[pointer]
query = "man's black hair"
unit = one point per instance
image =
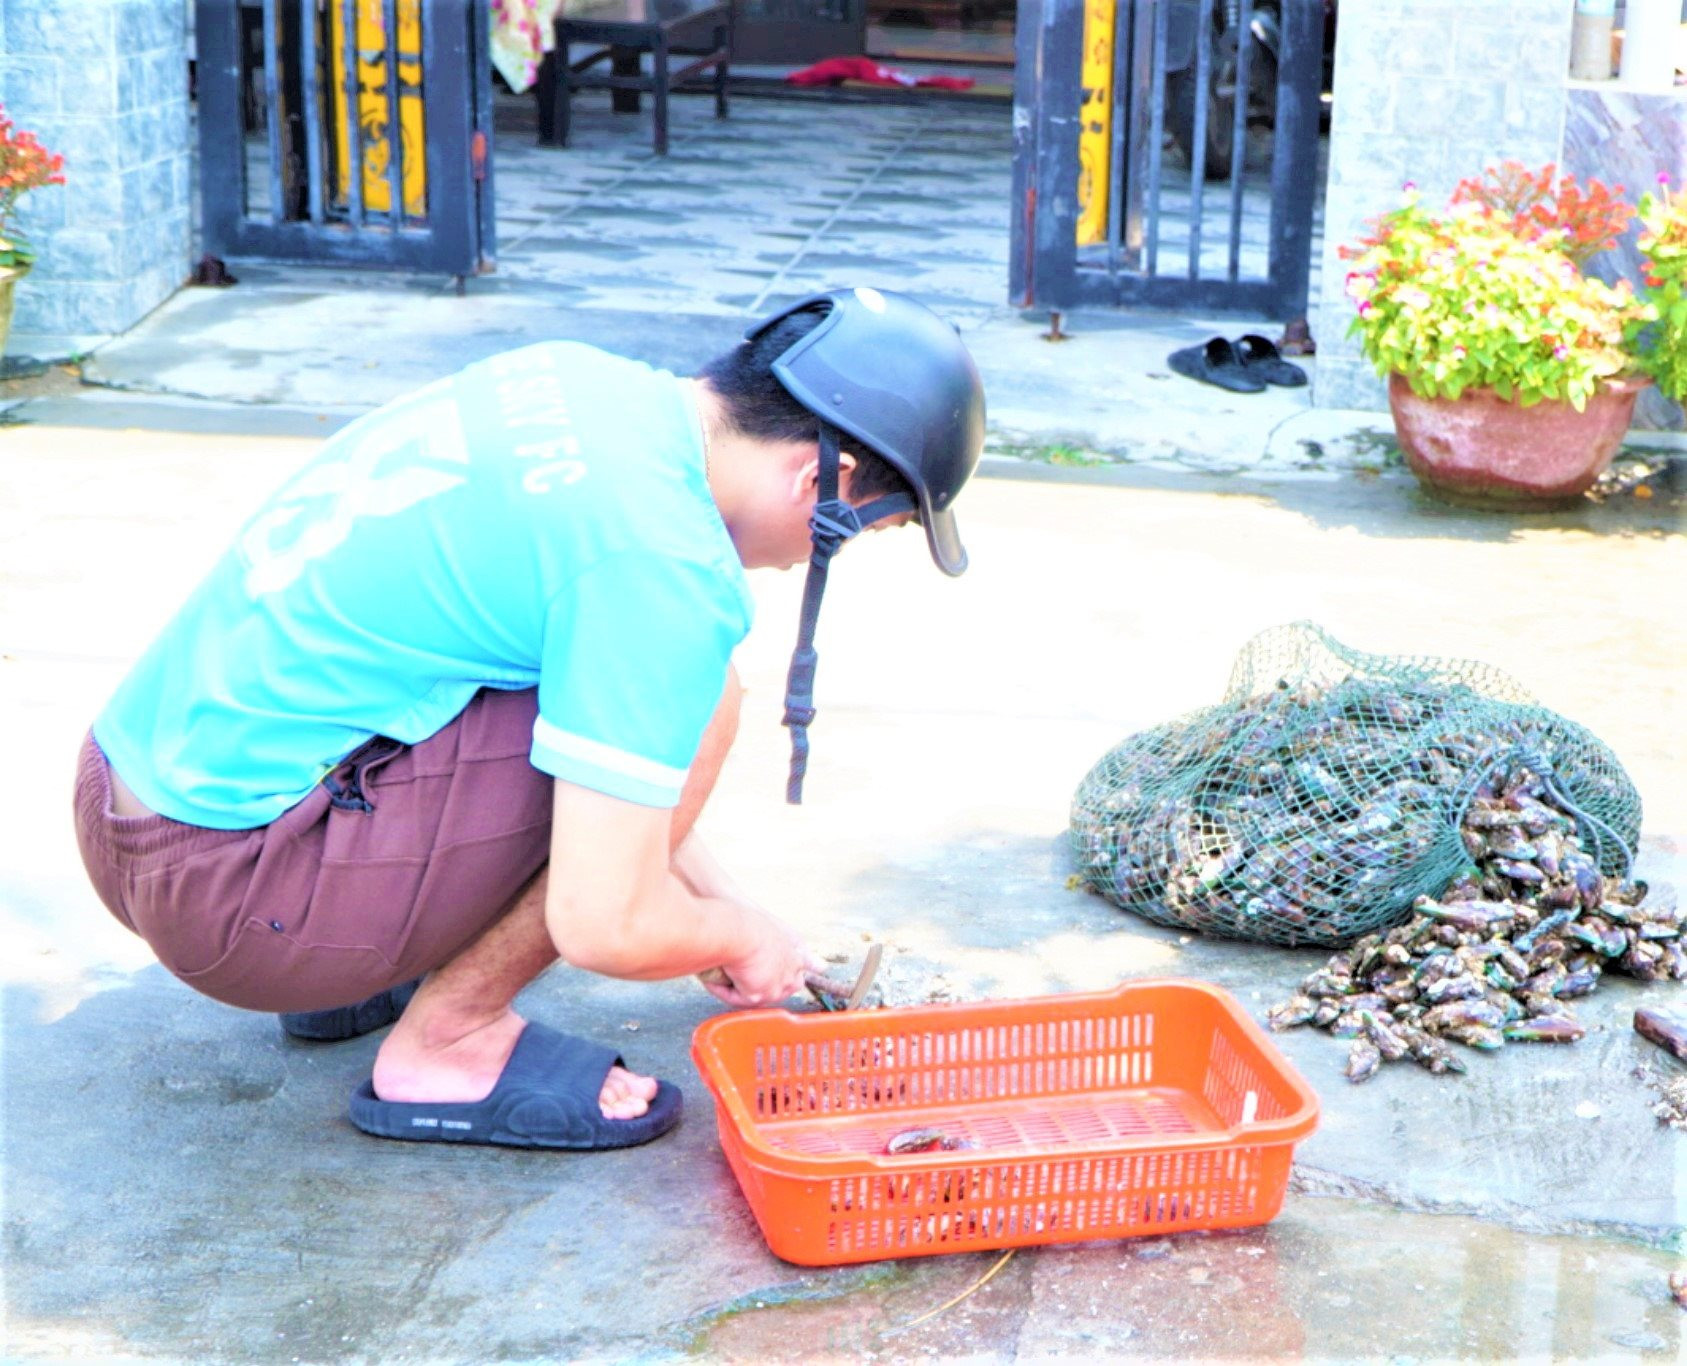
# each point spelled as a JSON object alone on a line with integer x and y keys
{"x": 758, "y": 406}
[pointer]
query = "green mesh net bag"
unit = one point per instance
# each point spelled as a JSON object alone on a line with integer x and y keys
{"x": 1326, "y": 792}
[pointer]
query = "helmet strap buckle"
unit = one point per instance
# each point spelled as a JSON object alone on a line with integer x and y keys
{"x": 833, "y": 522}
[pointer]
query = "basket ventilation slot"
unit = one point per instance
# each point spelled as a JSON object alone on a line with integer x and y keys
{"x": 901, "y": 1070}
{"x": 1108, "y": 1197}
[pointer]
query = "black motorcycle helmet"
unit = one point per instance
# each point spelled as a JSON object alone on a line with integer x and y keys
{"x": 891, "y": 374}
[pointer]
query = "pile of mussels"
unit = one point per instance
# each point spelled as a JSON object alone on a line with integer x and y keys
{"x": 1496, "y": 959}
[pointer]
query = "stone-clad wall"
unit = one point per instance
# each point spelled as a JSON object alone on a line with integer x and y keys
{"x": 1428, "y": 91}
{"x": 1628, "y": 138}
{"x": 105, "y": 82}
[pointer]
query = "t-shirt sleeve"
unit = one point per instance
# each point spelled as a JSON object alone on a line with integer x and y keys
{"x": 635, "y": 656}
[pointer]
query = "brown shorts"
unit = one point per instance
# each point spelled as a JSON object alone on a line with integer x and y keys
{"x": 393, "y": 863}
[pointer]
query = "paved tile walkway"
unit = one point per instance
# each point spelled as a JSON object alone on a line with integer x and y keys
{"x": 781, "y": 199}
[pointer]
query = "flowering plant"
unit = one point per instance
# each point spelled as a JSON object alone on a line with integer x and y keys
{"x": 1491, "y": 293}
{"x": 24, "y": 165}
{"x": 1583, "y": 222}
{"x": 1663, "y": 246}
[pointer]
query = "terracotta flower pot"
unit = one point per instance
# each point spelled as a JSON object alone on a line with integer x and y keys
{"x": 1486, "y": 451}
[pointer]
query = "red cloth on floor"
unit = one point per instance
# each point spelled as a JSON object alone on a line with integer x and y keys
{"x": 837, "y": 70}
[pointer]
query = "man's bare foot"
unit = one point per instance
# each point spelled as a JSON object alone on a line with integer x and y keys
{"x": 426, "y": 1059}
{"x": 625, "y": 1095}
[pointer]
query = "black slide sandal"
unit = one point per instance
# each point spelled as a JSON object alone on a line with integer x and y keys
{"x": 1215, "y": 361}
{"x": 1261, "y": 357}
{"x": 547, "y": 1097}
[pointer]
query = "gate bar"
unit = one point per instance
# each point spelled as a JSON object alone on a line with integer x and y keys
{"x": 1294, "y": 170}
{"x": 1124, "y": 19}
{"x": 1135, "y": 158}
{"x": 1156, "y": 132}
{"x": 446, "y": 46}
{"x": 311, "y": 59}
{"x": 1239, "y": 134}
{"x": 272, "y": 110}
{"x": 354, "y": 115}
{"x": 1198, "y": 153}
{"x": 395, "y": 140}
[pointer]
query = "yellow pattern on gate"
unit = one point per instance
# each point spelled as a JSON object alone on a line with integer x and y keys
{"x": 1095, "y": 120}
{"x": 373, "y": 108}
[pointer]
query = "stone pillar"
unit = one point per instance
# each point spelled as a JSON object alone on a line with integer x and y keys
{"x": 1428, "y": 91}
{"x": 105, "y": 82}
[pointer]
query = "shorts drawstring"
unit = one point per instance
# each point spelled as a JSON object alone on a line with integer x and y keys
{"x": 349, "y": 795}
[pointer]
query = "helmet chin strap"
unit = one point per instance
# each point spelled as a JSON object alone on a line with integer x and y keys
{"x": 831, "y": 524}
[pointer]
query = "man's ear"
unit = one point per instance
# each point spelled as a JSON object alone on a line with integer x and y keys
{"x": 805, "y": 486}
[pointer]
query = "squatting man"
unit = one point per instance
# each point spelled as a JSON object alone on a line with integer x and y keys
{"x": 450, "y": 705}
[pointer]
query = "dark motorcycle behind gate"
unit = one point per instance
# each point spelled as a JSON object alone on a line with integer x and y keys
{"x": 1183, "y": 84}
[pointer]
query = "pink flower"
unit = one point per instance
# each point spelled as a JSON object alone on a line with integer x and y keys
{"x": 1560, "y": 351}
{"x": 1409, "y": 186}
{"x": 1663, "y": 177}
{"x": 1366, "y": 308}
{"x": 1459, "y": 353}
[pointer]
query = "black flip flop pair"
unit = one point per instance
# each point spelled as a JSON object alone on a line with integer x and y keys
{"x": 1244, "y": 366}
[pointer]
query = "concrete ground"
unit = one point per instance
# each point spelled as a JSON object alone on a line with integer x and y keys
{"x": 179, "y": 1180}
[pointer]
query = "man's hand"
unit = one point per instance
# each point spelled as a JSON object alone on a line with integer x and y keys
{"x": 770, "y": 972}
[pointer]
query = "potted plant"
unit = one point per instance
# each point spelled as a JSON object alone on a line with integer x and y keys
{"x": 24, "y": 165}
{"x": 1512, "y": 374}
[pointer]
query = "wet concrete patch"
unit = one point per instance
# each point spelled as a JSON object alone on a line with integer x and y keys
{"x": 1328, "y": 1281}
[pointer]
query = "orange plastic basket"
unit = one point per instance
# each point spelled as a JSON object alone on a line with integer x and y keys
{"x": 1153, "y": 1108}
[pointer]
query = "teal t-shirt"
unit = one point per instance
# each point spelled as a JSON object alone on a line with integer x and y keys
{"x": 542, "y": 518}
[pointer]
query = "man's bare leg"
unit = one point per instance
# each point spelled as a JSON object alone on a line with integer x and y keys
{"x": 454, "y": 1038}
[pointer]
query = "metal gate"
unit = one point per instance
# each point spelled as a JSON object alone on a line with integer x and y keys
{"x": 1107, "y": 213}
{"x": 346, "y": 132}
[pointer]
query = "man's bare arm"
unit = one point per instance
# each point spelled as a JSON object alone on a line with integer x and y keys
{"x": 700, "y": 871}
{"x": 616, "y": 905}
